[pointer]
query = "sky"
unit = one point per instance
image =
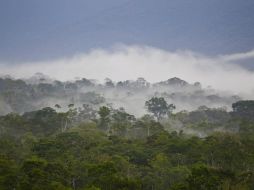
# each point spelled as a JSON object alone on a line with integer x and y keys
{"x": 36, "y": 36}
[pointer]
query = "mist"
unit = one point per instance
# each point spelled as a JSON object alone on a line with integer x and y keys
{"x": 123, "y": 62}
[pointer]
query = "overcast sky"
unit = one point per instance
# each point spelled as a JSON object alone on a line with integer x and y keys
{"x": 35, "y": 30}
{"x": 211, "y": 41}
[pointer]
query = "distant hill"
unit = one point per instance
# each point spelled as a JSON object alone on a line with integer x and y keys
{"x": 40, "y": 91}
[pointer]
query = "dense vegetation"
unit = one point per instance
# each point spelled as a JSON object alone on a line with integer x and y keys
{"x": 26, "y": 95}
{"x": 109, "y": 149}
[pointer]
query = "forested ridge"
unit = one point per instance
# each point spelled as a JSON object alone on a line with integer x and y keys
{"x": 90, "y": 144}
{"x": 24, "y": 95}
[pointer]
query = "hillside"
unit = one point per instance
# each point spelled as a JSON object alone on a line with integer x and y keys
{"x": 84, "y": 141}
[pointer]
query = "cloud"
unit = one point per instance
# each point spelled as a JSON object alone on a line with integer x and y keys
{"x": 238, "y": 56}
{"x": 131, "y": 62}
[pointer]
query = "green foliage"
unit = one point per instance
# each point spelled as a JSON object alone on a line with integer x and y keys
{"x": 104, "y": 113}
{"x": 244, "y": 109}
{"x": 8, "y": 171}
{"x": 137, "y": 154}
{"x": 159, "y": 107}
{"x": 39, "y": 174}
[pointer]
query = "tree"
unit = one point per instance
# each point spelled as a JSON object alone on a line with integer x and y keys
{"x": 68, "y": 118}
{"x": 109, "y": 83}
{"x": 104, "y": 113}
{"x": 86, "y": 113}
{"x": 244, "y": 109}
{"x": 121, "y": 122}
{"x": 203, "y": 177}
{"x": 8, "y": 174}
{"x": 159, "y": 107}
{"x": 43, "y": 122}
{"x": 57, "y": 106}
{"x": 37, "y": 173}
{"x": 161, "y": 168}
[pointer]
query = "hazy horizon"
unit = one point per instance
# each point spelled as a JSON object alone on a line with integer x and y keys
{"x": 123, "y": 62}
{"x": 204, "y": 41}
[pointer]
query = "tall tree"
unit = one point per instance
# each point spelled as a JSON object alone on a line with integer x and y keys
{"x": 104, "y": 113}
{"x": 159, "y": 107}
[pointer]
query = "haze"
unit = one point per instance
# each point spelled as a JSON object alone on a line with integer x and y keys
{"x": 130, "y": 62}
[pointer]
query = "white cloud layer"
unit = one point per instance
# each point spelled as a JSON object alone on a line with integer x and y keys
{"x": 131, "y": 62}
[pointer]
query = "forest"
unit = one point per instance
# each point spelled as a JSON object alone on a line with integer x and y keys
{"x": 126, "y": 135}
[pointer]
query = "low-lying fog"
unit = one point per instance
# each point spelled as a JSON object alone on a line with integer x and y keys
{"x": 40, "y": 91}
{"x": 194, "y": 79}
